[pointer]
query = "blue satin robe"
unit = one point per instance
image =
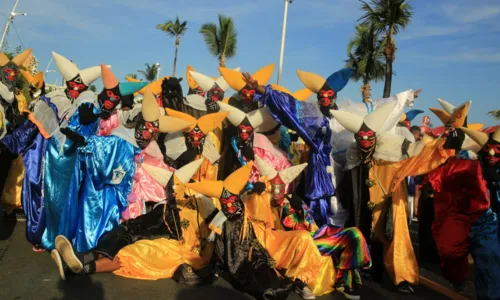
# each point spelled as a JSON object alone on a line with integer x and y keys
{"x": 62, "y": 184}
{"x": 27, "y": 141}
{"x": 297, "y": 116}
{"x": 106, "y": 168}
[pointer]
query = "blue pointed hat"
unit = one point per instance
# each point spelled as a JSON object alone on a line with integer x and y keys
{"x": 411, "y": 114}
{"x": 338, "y": 80}
{"x": 128, "y": 88}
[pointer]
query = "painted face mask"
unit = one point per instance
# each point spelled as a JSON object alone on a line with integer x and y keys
{"x": 277, "y": 191}
{"x": 196, "y": 91}
{"x": 326, "y": 99}
{"x": 231, "y": 205}
{"x": 75, "y": 87}
{"x": 109, "y": 98}
{"x": 196, "y": 139}
{"x": 8, "y": 75}
{"x": 245, "y": 132}
{"x": 215, "y": 93}
{"x": 366, "y": 140}
{"x": 490, "y": 153}
{"x": 145, "y": 132}
{"x": 247, "y": 95}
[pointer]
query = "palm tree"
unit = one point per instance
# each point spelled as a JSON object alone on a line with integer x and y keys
{"x": 174, "y": 29}
{"x": 131, "y": 75}
{"x": 366, "y": 52}
{"x": 150, "y": 73}
{"x": 221, "y": 41}
{"x": 495, "y": 114}
{"x": 387, "y": 17}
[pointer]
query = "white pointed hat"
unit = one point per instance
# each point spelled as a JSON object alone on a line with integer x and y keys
{"x": 185, "y": 173}
{"x": 69, "y": 70}
{"x": 287, "y": 175}
{"x": 375, "y": 120}
{"x": 206, "y": 83}
{"x": 447, "y": 106}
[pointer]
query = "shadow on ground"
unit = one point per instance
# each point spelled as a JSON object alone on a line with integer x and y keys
{"x": 81, "y": 287}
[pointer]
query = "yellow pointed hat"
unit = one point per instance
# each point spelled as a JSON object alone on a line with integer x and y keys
{"x": 3, "y": 59}
{"x": 36, "y": 81}
{"x": 191, "y": 82}
{"x": 235, "y": 78}
{"x": 21, "y": 58}
{"x": 234, "y": 183}
{"x": 301, "y": 95}
{"x": 457, "y": 118}
{"x": 155, "y": 86}
{"x": 207, "y": 123}
{"x": 312, "y": 81}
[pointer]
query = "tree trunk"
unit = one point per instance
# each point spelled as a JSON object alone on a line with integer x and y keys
{"x": 222, "y": 61}
{"x": 365, "y": 91}
{"x": 177, "y": 42}
{"x": 389, "y": 59}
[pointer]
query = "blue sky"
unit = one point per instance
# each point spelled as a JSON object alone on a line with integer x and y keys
{"x": 451, "y": 50}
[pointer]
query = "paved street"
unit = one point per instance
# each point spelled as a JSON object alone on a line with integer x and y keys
{"x": 25, "y": 274}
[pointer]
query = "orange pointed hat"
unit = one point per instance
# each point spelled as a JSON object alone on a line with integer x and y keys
{"x": 234, "y": 183}
{"x": 207, "y": 123}
{"x": 34, "y": 81}
{"x": 235, "y": 78}
{"x": 455, "y": 119}
{"x": 301, "y": 95}
{"x": 18, "y": 60}
{"x": 110, "y": 81}
{"x": 191, "y": 82}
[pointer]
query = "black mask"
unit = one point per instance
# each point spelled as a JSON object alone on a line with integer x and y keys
{"x": 366, "y": 140}
{"x": 75, "y": 87}
{"x": 231, "y": 205}
{"x": 8, "y": 75}
{"x": 195, "y": 139}
{"x": 245, "y": 138}
{"x": 487, "y": 159}
{"x": 109, "y": 98}
{"x": 196, "y": 91}
{"x": 145, "y": 132}
{"x": 327, "y": 99}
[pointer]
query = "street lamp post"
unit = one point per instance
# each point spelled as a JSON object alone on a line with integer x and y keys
{"x": 12, "y": 15}
{"x": 157, "y": 71}
{"x": 283, "y": 34}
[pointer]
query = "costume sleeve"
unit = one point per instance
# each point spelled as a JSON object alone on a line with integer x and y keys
{"x": 432, "y": 156}
{"x": 20, "y": 138}
{"x": 110, "y": 161}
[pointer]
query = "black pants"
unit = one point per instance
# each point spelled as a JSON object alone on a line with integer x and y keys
{"x": 146, "y": 227}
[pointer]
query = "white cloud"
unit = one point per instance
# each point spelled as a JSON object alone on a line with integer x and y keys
{"x": 479, "y": 55}
{"x": 466, "y": 13}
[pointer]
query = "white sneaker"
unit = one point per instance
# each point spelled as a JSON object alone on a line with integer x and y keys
{"x": 305, "y": 293}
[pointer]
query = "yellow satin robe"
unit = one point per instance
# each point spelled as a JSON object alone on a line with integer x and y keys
{"x": 160, "y": 258}
{"x": 399, "y": 257}
{"x": 11, "y": 195}
{"x": 294, "y": 251}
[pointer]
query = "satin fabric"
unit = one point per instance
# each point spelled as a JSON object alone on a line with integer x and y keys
{"x": 460, "y": 198}
{"x": 399, "y": 257}
{"x": 29, "y": 142}
{"x": 11, "y": 195}
{"x": 145, "y": 188}
{"x": 318, "y": 182}
{"x": 107, "y": 126}
{"x": 160, "y": 258}
{"x": 106, "y": 169}
{"x": 62, "y": 183}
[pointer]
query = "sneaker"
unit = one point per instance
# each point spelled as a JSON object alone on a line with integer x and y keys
{"x": 405, "y": 288}
{"x": 65, "y": 250}
{"x": 305, "y": 293}
{"x": 64, "y": 271}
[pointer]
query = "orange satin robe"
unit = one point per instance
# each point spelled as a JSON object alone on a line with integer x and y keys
{"x": 11, "y": 195}
{"x": 399, "y": 257}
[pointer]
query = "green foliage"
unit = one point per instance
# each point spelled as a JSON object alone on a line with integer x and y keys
{"x": 384, "y": 14}
{"x": 365, "y": 53}
{"x": 131, "y": 75}
{"x": 173, "y": 28}
{"x": 495, "y": 114}
{"x": 220, "y": 39}
{"x": 150, "y": 72}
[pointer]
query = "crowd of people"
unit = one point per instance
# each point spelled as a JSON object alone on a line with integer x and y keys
{"x": 148, "y": 183}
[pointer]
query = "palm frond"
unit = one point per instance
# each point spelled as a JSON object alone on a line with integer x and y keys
{"x": 209, "y": 33}
{"x": 495, "y": 114}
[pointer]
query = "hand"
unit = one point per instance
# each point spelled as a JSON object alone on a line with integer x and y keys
{"x": 415, "y": 94}
{"x": 75, "y": 137}
{"x": 259, "y": 187}
{"x": 86, "y": 112}
{"x": 252, "y": 83}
